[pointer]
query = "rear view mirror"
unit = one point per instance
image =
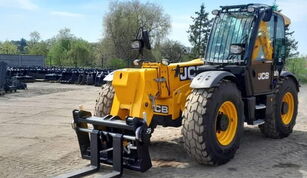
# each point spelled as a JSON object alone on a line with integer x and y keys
{"x": 137, "y": 44}
{"x": 267, "y": 15}
{"x": 142, "y": 40}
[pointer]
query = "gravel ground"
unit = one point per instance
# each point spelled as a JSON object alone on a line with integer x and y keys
{"x": 37, "y": 140}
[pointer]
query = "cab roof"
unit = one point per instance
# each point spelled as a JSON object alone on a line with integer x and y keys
{"x": 287, "y": 20}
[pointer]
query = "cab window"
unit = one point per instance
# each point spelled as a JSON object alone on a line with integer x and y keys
{"x": 279, "y": 45}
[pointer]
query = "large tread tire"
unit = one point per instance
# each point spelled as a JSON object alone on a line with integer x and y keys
{"x": 199, "y": 123}
{"x": 104, "y": 101}
{"x": 273, "y": 126}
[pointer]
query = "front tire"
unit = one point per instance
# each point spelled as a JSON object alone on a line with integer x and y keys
{"x": 104, "y": 101}
{"x": 282, "y": 121}
{"x": 213, "y": 123}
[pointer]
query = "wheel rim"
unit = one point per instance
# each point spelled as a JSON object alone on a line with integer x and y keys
{"x": 287, "y": 117}
{"x": 226, "y": 137}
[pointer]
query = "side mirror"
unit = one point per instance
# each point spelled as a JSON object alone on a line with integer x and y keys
{"x": 142, "y": 40}
{"x": 137, "y": 44}
{"x": 267, "y": 14}
{"x": 237, "y": 49}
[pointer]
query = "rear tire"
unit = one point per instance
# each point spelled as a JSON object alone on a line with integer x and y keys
{"x": 201, "y": 133}
{"x": 280, "y": 124}
{"x": 104, "y": 101}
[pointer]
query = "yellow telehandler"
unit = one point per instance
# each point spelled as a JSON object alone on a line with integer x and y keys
{"x": 241, "y": 79}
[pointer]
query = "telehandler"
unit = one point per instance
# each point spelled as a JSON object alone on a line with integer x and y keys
{"x": 241, "y": 79}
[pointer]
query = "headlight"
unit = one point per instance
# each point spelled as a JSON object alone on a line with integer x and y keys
{"x": 136, "y": 62}
{"x": 165, "y": 62}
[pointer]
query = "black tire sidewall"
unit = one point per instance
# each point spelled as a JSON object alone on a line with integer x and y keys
{"x": 287, "y": 86}
{"x": 226, "y": 92}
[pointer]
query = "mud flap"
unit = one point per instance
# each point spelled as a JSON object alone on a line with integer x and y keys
{"x": 122, "y": 143}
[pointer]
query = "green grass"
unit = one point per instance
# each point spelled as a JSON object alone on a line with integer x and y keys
{"x": 298, "y": 66}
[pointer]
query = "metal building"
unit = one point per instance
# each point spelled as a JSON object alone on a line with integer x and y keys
{"x": 22, "y": 60}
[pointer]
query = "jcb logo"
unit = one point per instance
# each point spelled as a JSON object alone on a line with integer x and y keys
{"x": 188, "y": 73}
{"x": 161, "y": 109}
{"x": 263, "y": 76}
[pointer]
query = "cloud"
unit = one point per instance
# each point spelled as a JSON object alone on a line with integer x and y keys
{"x": 294, "y": 9}
{"x": 27, "y": 4}
{"x": 20, "y": 4}
{"x": 65, "y": 14}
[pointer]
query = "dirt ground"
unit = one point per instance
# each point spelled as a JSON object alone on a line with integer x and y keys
{"x": 36, "y": 140}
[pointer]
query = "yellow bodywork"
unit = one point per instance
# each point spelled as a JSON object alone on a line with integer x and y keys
{"x": 149, "y": 90}
{"x": 287, "y": 20}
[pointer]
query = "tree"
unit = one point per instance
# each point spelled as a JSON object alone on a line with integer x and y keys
{"x": 80, "y": 53}
{"x": 116, "y": 63}
{"x": 291, "y": 44}
{"x": 58, "y": 54}
{"x": 174, "y": 51}
{"x": 34, "y": 37}
{"x": 123, "y": 21}
{"x": 65, "y": 33}
{"x": 21, "y": 45}
{"x": 37, "y": 47}
{"x": 67, "y": 50}
{"x": 8, "y": 48}
{"x": 41, "y": 48}
{"x": 199, "y": 32}
{"x": 99, "y": 53}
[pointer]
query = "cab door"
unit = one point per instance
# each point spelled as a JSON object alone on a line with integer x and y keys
{"x": 261, "y": 72}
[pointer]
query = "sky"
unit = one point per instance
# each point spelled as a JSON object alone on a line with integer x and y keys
{"x": 84, "y": 17}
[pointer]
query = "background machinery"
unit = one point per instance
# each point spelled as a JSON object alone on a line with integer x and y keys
{"x": 240, "y": 80}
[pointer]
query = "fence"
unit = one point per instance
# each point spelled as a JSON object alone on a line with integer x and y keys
{"x": 22, "y": 60}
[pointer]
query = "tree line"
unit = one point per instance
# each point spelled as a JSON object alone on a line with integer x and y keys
{"x": 121, "y": 24}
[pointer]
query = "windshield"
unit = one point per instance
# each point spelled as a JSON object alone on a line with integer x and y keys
{"x": 229, "y": 28}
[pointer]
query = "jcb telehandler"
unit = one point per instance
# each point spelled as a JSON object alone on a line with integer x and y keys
{"x": 241, "y": 79}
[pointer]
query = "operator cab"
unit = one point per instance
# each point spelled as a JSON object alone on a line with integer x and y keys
{"x": 249, "y": 42}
